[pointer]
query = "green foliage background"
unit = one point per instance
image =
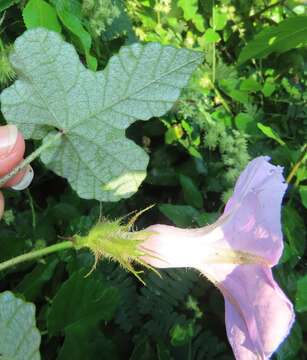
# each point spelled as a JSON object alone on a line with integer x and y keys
{"x": 247, "y": 99}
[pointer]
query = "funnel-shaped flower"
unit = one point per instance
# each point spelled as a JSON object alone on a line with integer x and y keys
{"x": 236, "y": 253}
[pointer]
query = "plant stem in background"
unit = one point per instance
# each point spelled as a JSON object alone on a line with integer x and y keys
{"x": 36, "y": 254}
{"x": 213, "y": 47}
{"x": 32, "y": 209}
{"x": 222, "y": 100}
{"x": 297, "y": 165}
{"x": 269, "y": 7}
{"x": 30, "y": 158}
{"x": 220, "y": 97}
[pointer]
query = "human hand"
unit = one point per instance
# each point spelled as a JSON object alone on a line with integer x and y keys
{"x": 12, "y": 148}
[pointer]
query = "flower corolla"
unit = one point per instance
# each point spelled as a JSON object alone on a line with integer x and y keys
{"x": 236, "y": 254}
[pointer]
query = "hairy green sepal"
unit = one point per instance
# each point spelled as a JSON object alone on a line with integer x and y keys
{"x": 113, "y": 240}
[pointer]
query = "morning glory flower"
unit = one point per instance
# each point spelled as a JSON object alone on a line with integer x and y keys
{"x": 236, "y": 254}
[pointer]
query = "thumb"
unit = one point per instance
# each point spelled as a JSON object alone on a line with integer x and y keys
{"x": 12, "y": 148}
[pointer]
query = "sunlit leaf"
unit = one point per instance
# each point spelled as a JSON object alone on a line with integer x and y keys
{"x": 250, "y": 85}
{"x": 190, "y": 9}
{"x": 270, "y": 133}
{"x": 69, "y": 13}
{"x": 38, "y": 13}
{"x": 268, "y": 88}
{"x": 211, "y": 36}
{"x": 219, "y": 20}
{"x": 287, "y": 35}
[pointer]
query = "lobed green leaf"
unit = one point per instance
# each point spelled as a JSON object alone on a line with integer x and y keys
{"x": 19, "y": 336}
{"x": 55, "y": 92}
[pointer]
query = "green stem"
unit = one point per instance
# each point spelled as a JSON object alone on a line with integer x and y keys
{"x": 213, "y": 63}
{"x": 213, "y": 48}
{"x": 298, "y": 164}
{"x": 158, "y": 14}
{"x": 269, "y": 7}
{"x": 220, "y": 97}
{"x": 32, "y": 209}
{"x": 36, "y": 254}
{"x": 30, "y": 158}
{"x": 222, "y": 100}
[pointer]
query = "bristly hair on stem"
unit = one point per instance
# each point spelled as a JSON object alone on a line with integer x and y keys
{"x": 117, "y": 241}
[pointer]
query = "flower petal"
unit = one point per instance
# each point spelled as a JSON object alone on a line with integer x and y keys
{"x": 173, "y": 247}
{"x": 258, "y": 314}
{"x": 254, "y": 210}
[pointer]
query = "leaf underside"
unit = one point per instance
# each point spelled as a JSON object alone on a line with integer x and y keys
{"x": 19, "y": 337}
{"x": 55, "y": 92}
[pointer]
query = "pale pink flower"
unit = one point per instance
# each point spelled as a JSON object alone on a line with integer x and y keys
{"x": 237, "y": 253}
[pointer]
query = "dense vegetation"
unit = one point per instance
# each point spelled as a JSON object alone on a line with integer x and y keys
{"x": 247, "y": 98}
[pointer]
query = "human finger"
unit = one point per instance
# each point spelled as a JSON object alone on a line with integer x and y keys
{"x": 12, "y": 148}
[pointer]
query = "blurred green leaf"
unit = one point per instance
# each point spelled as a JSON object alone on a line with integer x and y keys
{"x": 268, "y": 88}
{"x": 270, "y": 133}
{"x": 143, "y": 350}
{"x": 287, "y": 35}
{"x": 301, "y": 174}
{"x": 83, "y": 343}
{"x": 19, "y": 336}
{"x": 211, "y": 36}
{"x": 121, "y": 25}
{"x": 181, "y": 334}
{"x": 73, "y": 22}
{"x": 291, "y": 346}
{"x": 190, "y": 8}
{"x": 32, "y": 283}
{"x": 245, "y": 123}
{"x": 303, "y": 194}
{"x": 206, "y": 218}
{"x": 250, "y": 85}
{"x": 294, "y": 228}
{"x": 219, "y": 20}
{"x": 192, "y": 195}
{"x": 5, "y": 4}
{"x": 38, "y": 13}
{"x": 301, "y": 295}
{"x": 230, "y": 87}
{"x": 173, "y": 133}
{"x": 80, "y": 300}
{"x": 180, "y": 215}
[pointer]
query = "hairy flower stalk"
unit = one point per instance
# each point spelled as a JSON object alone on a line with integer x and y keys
{"x": 237, "y": 254}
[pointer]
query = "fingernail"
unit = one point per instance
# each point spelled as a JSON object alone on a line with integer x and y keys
{"x": 8, "y": 138}
{"x": 26, "y": 180}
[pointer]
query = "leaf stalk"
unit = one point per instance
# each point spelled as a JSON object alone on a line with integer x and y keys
{"x": 30, "y": 158}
